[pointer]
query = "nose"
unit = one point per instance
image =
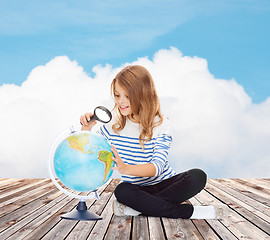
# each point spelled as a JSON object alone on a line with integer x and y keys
{"x": 122, "y": 100}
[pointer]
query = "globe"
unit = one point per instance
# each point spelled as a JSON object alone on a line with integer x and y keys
{"x": 83, "y": 161}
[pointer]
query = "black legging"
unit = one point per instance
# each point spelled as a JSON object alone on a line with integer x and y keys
{"x": 164, "y": 198}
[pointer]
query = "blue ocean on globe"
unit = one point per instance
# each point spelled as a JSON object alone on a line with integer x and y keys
{"x": 83, "y": 161}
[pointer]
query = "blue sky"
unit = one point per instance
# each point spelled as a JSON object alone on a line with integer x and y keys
{"x": 233, "y": 36}
{"x": 74, "y": 48}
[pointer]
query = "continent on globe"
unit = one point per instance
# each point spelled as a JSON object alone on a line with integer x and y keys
{"x": 80, "y": 143}
{"x": 106, "y": 158}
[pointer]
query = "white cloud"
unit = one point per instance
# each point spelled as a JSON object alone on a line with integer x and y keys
{"x": 215, "y": 125}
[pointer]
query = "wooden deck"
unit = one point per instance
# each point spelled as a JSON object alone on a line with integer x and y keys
{"x": 31, "y": 209}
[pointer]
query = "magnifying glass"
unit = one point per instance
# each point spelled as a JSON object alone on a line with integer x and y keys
{"x": 101, "y": 114}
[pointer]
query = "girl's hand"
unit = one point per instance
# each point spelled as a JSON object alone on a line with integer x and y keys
{"x": 143, "y": 170}
{"x": 119, "y": 164}
{"x": 84, "y": 121}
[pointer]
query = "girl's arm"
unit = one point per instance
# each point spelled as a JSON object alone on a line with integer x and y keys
{"x": 143, "y": 170}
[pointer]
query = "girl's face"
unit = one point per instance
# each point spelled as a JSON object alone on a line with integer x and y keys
{"x": 121, "y": 100}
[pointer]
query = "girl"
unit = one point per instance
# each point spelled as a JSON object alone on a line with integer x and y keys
{"x": 141, "y": 138}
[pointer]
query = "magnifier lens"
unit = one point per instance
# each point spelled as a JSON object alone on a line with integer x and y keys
{"x": 102, "y": 115}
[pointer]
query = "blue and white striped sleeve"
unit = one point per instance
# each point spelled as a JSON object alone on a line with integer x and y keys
{"x": 104, "y": 132}
{"x": 161, "y": 150}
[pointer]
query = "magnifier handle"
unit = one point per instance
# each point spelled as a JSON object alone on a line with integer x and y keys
{"x": 92, "y": 118}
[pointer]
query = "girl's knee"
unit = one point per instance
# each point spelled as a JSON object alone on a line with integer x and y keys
{"x": 199, "y": 176}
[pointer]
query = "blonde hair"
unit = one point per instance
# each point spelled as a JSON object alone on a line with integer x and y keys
{"x": 144, "y": 101}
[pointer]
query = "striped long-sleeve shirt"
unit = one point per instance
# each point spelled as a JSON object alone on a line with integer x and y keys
{"x": 131, "y": 152}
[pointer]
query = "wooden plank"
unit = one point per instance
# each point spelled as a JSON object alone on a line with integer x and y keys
{"x": 16, "y": 186}
{"x": 243, "y": 197}
{"x": 83, "y": 228}
{"x": 37, "y": 214}
{"x": 216, "y": 225}
{"x": 22, "y": 212}
{"x": 26, "y": 224}
{"x": 243, "y": 209}
{"x": 100, "y": 229}
{"x": 206, "y": 198}
{"x": 180, "y": 228}
{"x": 245, "y": 206}
{"x": 48, "y": 220}
{"x": 120, "y": 228}
{"x": 45, "y": 222}
{"x": 238, "y": 225}
{"x": 265, "y": 183}
{"x": 255, "y": 193}
{"x": 206, "y": 230}
{"x": 54, "y": 220}
{"x": 63, "y": 228}
{"x": 20, "y": 200}
{"x": 155, "y": 228}
{"x": 244, "y": 229}
{"x": 140, "y": 229}
{"x": 259, "y": 190}
{"x": 2, "y": 179}
{"x": 5, "y": 183}
{"x": 14, "y": 194}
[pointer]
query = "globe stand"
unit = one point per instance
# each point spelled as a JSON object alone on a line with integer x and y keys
{"x": 81, "y": 213}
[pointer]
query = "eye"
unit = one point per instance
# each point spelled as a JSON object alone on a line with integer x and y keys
{"x": 116, "y": 95}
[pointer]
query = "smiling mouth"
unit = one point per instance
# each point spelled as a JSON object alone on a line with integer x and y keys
{"x": 123, "y": 108}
